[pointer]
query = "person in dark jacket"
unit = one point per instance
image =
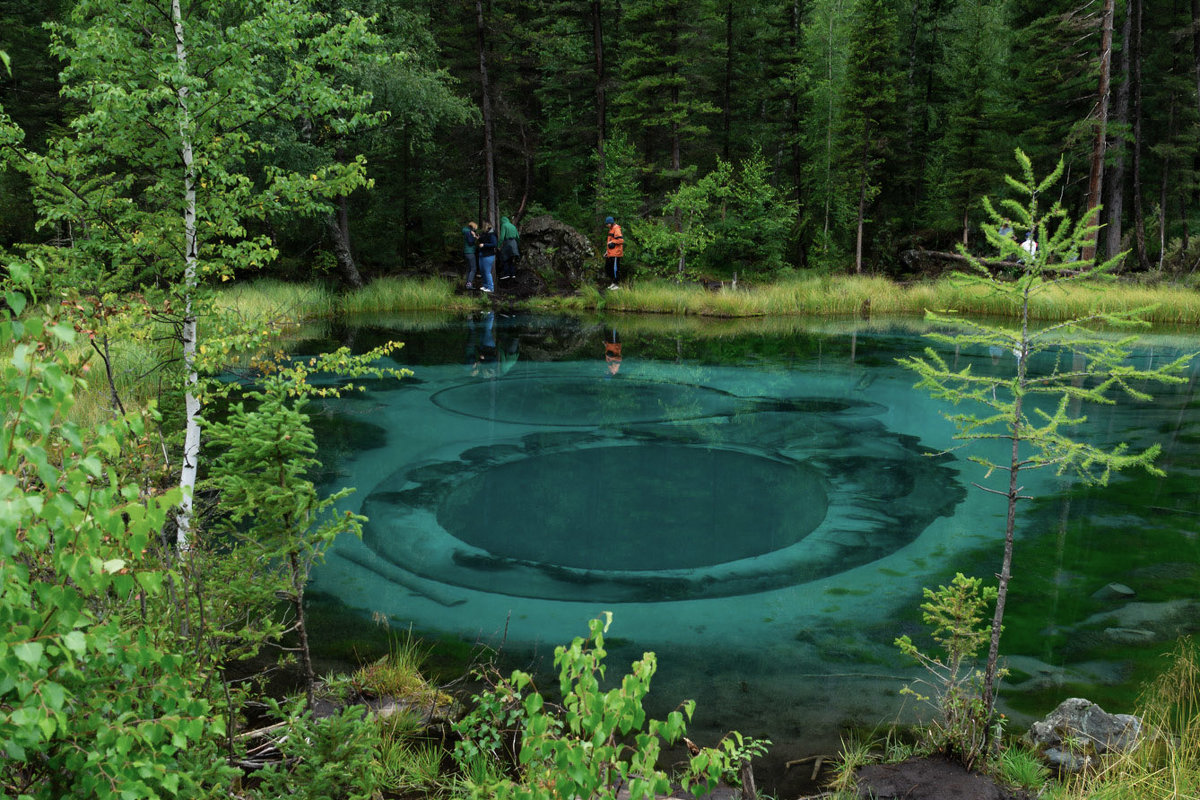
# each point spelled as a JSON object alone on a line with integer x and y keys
{"x": 470, "y": 245}
{"x": 510, "y": 249}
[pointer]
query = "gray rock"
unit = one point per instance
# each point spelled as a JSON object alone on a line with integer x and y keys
{"x": 554, "y": 255}
{"x": 1065, "y": 760}
{"x": 1079, "y": 729}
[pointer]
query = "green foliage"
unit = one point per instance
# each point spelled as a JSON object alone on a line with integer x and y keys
{"x": 596, "y": 743}
{"x": 1100, "y": 364}
{"x": 115, "y": 177}
{"x": 657, "y": 93}
{"x": 406, "y": 767}
{"x": 751, "y": 232}
{"x": 333, "y": 758}
{"x": 683, "y": 231}
{"x": 269, "y": 505}
{"x": 96, "y": 700}
{"x": 955, "y": 615}
{"x": 619, "y": 193}
{"x": 854, "y": 755}
{"x": 730, "y": 219}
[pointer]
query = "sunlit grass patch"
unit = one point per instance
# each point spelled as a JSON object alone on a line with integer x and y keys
{"x": 392, "y": 294}
{"x": 274, "y": 301}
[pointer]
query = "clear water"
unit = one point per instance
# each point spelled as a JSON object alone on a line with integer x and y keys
{"x": 760, "y": 503}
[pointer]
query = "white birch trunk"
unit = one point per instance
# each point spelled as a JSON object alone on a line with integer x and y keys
{"x": 191, "y": 442}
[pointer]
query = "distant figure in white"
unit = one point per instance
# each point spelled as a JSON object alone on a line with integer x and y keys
{"x": 1029, "y": 246}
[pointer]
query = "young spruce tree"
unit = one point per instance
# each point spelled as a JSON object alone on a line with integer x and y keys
{"x": 1005, "y": 408}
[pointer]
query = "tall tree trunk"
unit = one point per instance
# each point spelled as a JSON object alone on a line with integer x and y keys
{"x": 1096, "y": 176}
{"x": 862, "y": 197}
{"x": 191, "y": 440}
{"x": 726, "y": 113}
{"x": 829, "y": 129}
{"x": 1139, "y": 208}
{"x": 794, "y": 114}
{"x": 299, "y": 580}
{"x": 338, "y": 223}
{"x": 405, "y": 205}
{"x": 1017, "y": 433}
{"x": 601, "y": 98}
{"x": 1196, "y": 45}
{"x": 1114, "y": 187}
{"x": 1166, "y": 174}
{"x": 489, "y": 149}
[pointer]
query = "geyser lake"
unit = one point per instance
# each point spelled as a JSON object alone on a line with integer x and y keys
{"x": 758, "y": 502}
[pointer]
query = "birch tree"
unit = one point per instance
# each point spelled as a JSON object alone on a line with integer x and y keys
{"x": 168, "y": 165}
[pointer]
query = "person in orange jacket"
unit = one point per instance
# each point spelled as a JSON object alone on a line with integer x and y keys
{"x": 614, "y": 251}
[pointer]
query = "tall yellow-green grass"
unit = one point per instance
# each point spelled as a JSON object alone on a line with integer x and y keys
{"x": 1166, "y": 766}
{"x": 270, "y": 300}
{"x": 783, "y": 306}
{"x": 405, "y": 294}
{"x": 815, "y": 296}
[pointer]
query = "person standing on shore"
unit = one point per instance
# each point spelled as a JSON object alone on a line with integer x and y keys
{"x": 487, "y": 256}
{"x": 470, "y": 244}
{"x": 614, "y": 250}
{"x": 509, "y": 249}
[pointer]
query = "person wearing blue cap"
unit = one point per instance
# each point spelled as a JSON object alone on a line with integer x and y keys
{"x": 613, "y": 253}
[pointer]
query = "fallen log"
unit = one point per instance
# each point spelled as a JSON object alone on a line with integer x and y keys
{"x": 912, "y": 259}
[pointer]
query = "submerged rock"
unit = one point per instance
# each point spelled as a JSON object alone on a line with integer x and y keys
{"x": 1114, "y": 591}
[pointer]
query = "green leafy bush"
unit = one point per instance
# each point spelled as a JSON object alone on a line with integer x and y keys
{"x": 97, "y": 698}
{"x": 593, "y": 745}
{"x": 333, "y": 758}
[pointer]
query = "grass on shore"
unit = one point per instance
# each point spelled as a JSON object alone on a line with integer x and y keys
{"x": 1164, "y": 766}
{"x": 784, "y": 305}
{"x": 823, "y": 296}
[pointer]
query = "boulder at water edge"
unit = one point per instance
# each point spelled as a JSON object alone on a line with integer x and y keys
{"x": 1072, "y": 735}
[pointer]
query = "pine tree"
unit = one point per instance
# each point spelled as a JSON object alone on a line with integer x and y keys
{"x": 662, "y": 94}
{"x": 869, "y": 98}
{"x": 965, "y": 164}
{"x": 819, "y": 78}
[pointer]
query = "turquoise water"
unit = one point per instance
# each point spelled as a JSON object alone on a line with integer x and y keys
{"x": 758, "y": 503}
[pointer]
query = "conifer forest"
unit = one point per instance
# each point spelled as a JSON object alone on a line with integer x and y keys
{"x": 157, "y": 157}
{"x": 846, "y": 133}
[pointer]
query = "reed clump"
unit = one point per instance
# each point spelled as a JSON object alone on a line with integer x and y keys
{"x": 269, "y": 300}
{"x": 409, "y": 294}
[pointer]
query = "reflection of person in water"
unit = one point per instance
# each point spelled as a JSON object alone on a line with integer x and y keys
{"x": 488, "y": 356}
{"x": 483, "y": 363}
{"x": 612, "y": 352}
